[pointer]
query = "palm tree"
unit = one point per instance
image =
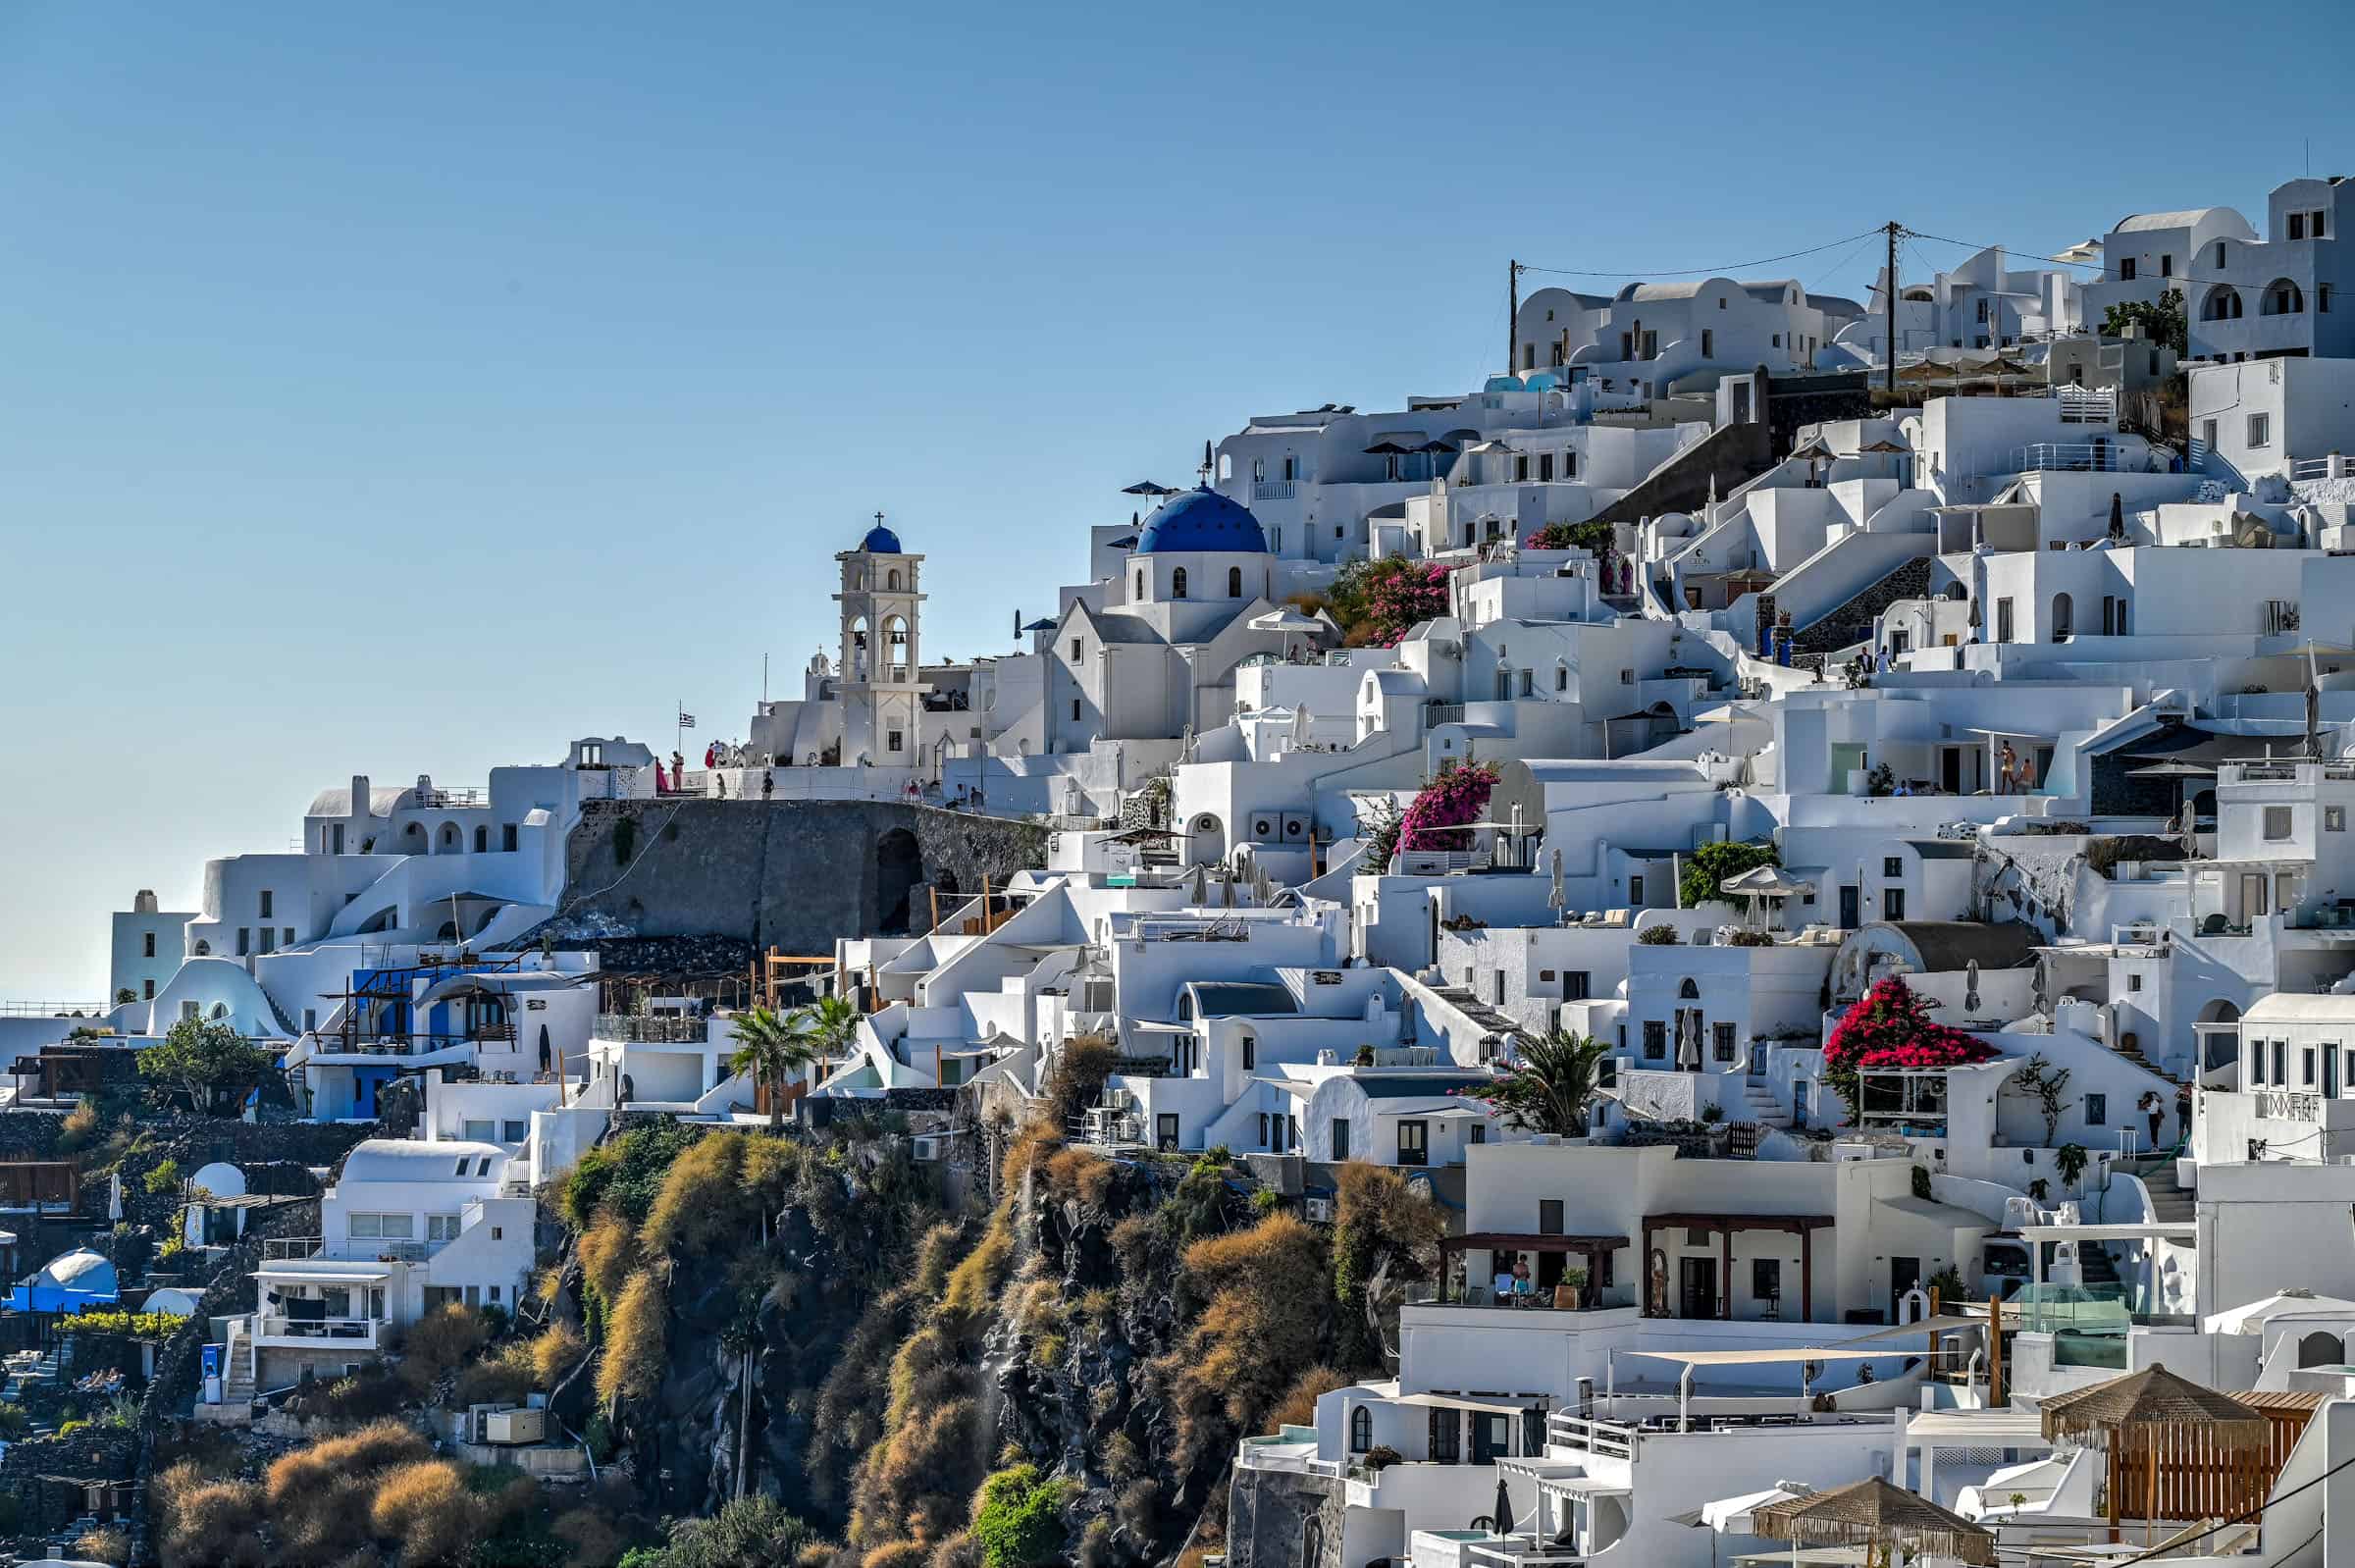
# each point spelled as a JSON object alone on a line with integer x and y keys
{"x": 831, "y": 1024}
{"x": 773, "y": 1048}
{"x": 1558, "y": 1074}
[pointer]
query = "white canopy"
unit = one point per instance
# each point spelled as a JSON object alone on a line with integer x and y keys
{"x": 1761, "y": 1358}
{"x": 2252, "y": 1318}
{"x": 1766, "y": 882}
{"x": 1731, "y": 1516}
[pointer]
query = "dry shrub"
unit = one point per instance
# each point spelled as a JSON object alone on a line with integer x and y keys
{"x": 591, "y": 1538}
{"x": 426, "y": 1508}
{"x": 635, "y": 1340}
{"x": 1267, "y": 1290}
{"x": 935, "y": 1256}
{"x": 925, "y": 1371}
{"x": 107, "y": 1543}
{"x": 503, "y": 1377}
{"x": 958, "y": 1551}
{"x": 1121, "y": 1458}
{"x": 206, "y": 1524}
{"x": 1095, "y": 1545}
{"x": 1137, "y": 1507}
{"x": 1077, "y": 1082}
{"x": 608, "y": 1251}
{"x": 1079, "y": 1174}
{"x": 557, "y": 1351}
{"x": 79, "y": 1126}
{"x": 972, "y": 1288}
{"x": 439, "y": 1342}
{"x": 916, "y": 1482}
{"x": 896, "y": 1555}
{"x": 771, "y": 1167}
{"x": 317, "y": 1497}
{"x": 1299, "y": 1406}
{"x": 1033, "y": 1143}
{"x": 700, "y": 1207}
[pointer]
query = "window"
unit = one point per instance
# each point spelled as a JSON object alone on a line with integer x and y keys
{"x": 2219, "y": 254}
{"x": 2260, "y": 430}
{"x": 1263, "y": 1129}
{"x": 2316, "y": 226}
{"x": 2256, "y": 1061}
{"x": 896, "y": 740}
{"x": 1446, "y": 1437}
{"x": 1892, "y": 904}
{"x": 475, "y": 1130}
{"x": 482, "y": 838}
{"x": 245, "y": 941}
{"x": 1982, "y": 312}
{"x": 1235, "y": 582}
{"x": 1477, "y": 1133}
{"x": 2277, "y": 823}
{"x": 147, "y": 945}
{"x": 1251, "y": 1052}
{"x": 1720, "y": 302}
{"x": 1414, "y": 1143}
{"x": 2322, "y": 298}
{"x": 1892, "y": 866}
{"x": 2166, "y": 265}
{"x": 440, "y": 1228}
{"x": 380, "y": 1227}
{"x": 265, "y": 911}
{"x": 1075, "y": 710}
{"x": 1635, "y": 891}
{"x": 2297, "y": 226}
{"x": 1722, "y": 1041}
{"x": 1708, "y": 344}
{"x": 1561, "y": 677}
{"x": 2281, "y": 1063}
{"x": 149, "y": 988}
{"x": 1575, "y": 983}
{"x": 1361, "y": 1429}
{"x": 1766, "y": 1279}
{"x": 1340, "y": 1137}
{"x": 2208, "y": 432}
{"x": 2126, "y": 270}
{"x": 1078, "y": 649}
{"x": 1140, "y": 585}
{"x": 1656, "y": 1039}
{"x": 1177, "y": 583}
{"x": 1549, "y": 1216}
{"x": 2134, "y": 983}
{"x": 513, "y": 1131}
{"x": 2002, "y": 620}
{"x": 461, "y": 1170}
{"x": 2097, "y": 1109}
{"x": 2335, "y": 820}
{"x": 506, "y": 837}
{"x": 2306, "y": 1067}
{"x": 1778, "y": 339}
{"x": 336, "y": 836}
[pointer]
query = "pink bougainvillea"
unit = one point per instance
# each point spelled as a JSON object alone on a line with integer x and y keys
{"x": 1890, "y": 1027}
{"x": 1439, "y": 817}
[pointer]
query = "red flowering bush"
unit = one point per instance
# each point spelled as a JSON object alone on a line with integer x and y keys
{"x": 1890, "y": 1027}
{"x": 1379, "y": 601}
{"x": 1439, "y": 817}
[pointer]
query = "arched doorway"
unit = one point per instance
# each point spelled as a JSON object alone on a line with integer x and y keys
{"x": 2220, "y": 1046}
{"x": 1206, "y": 840}
{"x": 2321, "y": 1349}
{"x": 899, "y": 867}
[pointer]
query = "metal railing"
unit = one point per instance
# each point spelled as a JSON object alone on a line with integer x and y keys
{"x": 352, "y": 1331}
{"x": 653, "y": 1028}
{"x": 2073, "y": 457}
{"x": 1271, "y": 490}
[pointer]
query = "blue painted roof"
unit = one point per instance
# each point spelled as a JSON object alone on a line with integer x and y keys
{"x": 881, "y": 541}
{"x": 1202, "y": 521}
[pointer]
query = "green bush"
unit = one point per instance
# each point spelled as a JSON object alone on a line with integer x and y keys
{"x": 163, "y": 1177}
{"x": 132, "y": 1325}
{"x": 1017, "y": 1518}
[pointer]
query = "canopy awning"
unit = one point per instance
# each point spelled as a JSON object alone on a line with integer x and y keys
{"x": 1447, "y": 1401}
{"x": 300, "y": 1274}
{"x": 1509, "y": 1241}
{"x": 1791, "y": 1358}
{"x": 2155, "y": 1231}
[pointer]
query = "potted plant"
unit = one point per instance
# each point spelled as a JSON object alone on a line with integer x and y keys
{"x": 2069, "y": 1161}
{"x": 1571, "y": 1294}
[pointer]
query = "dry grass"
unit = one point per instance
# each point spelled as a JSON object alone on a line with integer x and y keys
{"x": 426, "y": 1508}
{"x": 916, "y": 1484}
{"x": 1079, "y": 1174}
{"x": 439, "y": 1342}
{"x": 608, "y": 1251}
{"x": 636, "y": 1338}
{"x": 1299, "y": 1406}
{"x": 897, "y": 1555}
{"x": 108, "y": 1543}
{"x": 973, "y": 1286}
{"x": 317, "y": 1499}
{"x": 700, "y": 1207}
{"x": 557, "y": 1351}
{"x": 1267, "y": 1289}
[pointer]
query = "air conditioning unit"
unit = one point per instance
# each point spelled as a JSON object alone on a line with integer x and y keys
{"x": 1295, "y": 828}
{"x": 1320, "y": 1210}
{"x": 511, "y": 1427}
{"x": 928, "y": 1146}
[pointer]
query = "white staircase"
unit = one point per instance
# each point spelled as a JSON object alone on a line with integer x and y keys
{"x": 238, "y": 1365}
{"x": 1762, "y": 1107}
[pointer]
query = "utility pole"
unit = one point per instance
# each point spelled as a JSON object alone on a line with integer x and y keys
{"x": 1889, "y": 311}
{"x": 1512, "y": 318}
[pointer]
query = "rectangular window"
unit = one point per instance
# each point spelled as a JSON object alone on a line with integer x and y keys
{"x": 266, "y": 911}
{"x": 1635, "y": 891}
{"x": 2134, "y": 983}
{"x": 1414, "y": 1143}
{"x": 1892, "y": 904}
{"x": 1446, "y": 1435}
{"x": 2316, "y": 226}
{"x": 2256, "y": 1063}
{"x": 245, "y": 941}
{"x": 476, "y": 1131}
{"x": 2126, "y": 270}
{"x": 2208, "y": 433}
{"x": 1575, "y": 983}
{"x": 2281, "y": 1064}
{"x": 1075, "y": 650}
{"x": 1075, "y": 710}
{"x": 1722, "y": 1041}
{"x": 148, "y": 946}
{"x": 1477, "y": 1133}
{"x": 1263, "y": 1129}
{"x": 1340, "y": 1137}
{"x": 897, "y": 740}
{"x": 1778, "y": 339}
{"x": 2002, "y": 620}
{"x": 336, "y": 834}
{"x": 2297, "y": 226}
{"x": 286, "y": 938}
{"x": 1545, "y": 468}
{"x": 2322, "y": 298}
{"x": 149, "y": 984}
{"x": 1708, "y": 344}
{"x": 1656, "y": 1039}
{"x": 381, "y": 1226}
{"x": 1549, "y": 1216}
{"x": 2277, "y": 823}
{"x": 1765, "y": 1279}
{"x": 1892, "y": 866}
{"x": 2306, "y": 1067}
{"x": 2097, "y": 1109}
{"x": 2166, "y": 265}
{"x": 2335, "y": 820}
{"x": 2260, "y": 430}
{"x": 440, "y": 1228}
{"x": 506, "y": 837}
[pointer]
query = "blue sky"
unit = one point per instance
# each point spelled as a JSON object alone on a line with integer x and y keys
{"x": 399, "y": 390}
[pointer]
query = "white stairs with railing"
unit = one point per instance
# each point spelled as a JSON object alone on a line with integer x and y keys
{"x": 240, "y": 1369}
{"x": 1761, "y": 1106}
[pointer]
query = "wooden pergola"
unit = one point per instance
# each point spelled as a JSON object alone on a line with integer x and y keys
{"x": 1725, "y": 1225}
{"x": 1592, "y": 1248}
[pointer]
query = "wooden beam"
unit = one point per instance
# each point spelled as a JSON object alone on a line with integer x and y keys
{"x": 1725, "y": 1284}
{"x": 1807, "y": 1275}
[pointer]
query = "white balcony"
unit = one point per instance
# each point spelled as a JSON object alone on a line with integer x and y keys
{"x": 270, "y": 1330}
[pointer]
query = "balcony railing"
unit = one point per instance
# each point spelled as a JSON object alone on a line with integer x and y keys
{"x": 653, "y": 1028}
{"x": 2076, "y": 457}
{"x": 1610, "y": 1439}
{"x": 355, "y": 1332}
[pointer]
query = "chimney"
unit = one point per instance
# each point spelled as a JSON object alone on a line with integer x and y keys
{"x": 359, "y": 795}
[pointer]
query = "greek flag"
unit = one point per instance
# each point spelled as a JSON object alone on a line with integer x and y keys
{"x": 686, "y": 719}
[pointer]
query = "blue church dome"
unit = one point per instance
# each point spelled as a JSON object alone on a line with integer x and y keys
{"x": 881, "y": 541}
{"x": 1202, "y": 521}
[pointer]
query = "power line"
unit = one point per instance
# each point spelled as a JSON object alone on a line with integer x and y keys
{"x": 1700, "y": 272}
{"x": 2109, "y": 275}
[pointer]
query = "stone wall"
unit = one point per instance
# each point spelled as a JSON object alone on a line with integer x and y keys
{"x": 1268, "y": 1514}
{"x": 1853, "y": 621}
{"x": 1731, "y": 454}
{"x": 792, "y": 874}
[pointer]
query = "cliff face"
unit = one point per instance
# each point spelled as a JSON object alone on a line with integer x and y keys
{"x": 792, "y": 874}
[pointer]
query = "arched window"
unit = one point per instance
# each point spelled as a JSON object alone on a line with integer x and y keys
{"x": 2282, "y": 298}
{"x": 1177, "y": 583}
{"x": 450, "y": 838}
{"x": 2064, "y": 617}
{"x": 204, "y": 948}
{"x": 2222, "y": 303}
{"x": 1185, "y": 1007}
{"x": 1235, "y": 582}
{"x": 1140, "y": 585}
{"x": 1688, "y": 992}
{"x": 890, "y": 581}
{"x": 1361, "y": 1429}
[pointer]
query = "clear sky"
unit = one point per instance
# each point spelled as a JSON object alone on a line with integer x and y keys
{"x": 410, "y": 389}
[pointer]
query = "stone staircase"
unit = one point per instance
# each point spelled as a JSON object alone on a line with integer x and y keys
{"x": 1761, "y": 1106}
{"x": 2171, "y": 1204}
{"x": 239, "y": 1366}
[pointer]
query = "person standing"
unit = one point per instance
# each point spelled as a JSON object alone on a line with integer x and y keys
{"x": 2154, "y": 1111}
{"x": 2183, "y": 1114}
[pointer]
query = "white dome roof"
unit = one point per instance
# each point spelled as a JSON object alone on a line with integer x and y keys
{"x": 79, "y": 1270}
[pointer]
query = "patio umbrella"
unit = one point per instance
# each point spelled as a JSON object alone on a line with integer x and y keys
{"x": 1146, "y": 486}
{"x": 1226, "y": 890}
{"x": 1195, "y": 892}
{"x": 1733, "y": 1516}
{"x": 1263, "y": 888}
{"x": 2183, "y": 773}
{"x": 1880, "y": 1517}
{"x": 1302, "y": 719}
{"x": 2118, "y": 515}
{"x": 1885, "y": 445}
{"x": 1389, "y": 448}
{"x": 1559, "y": 899}
{"x": 1971, "y": 986}
{"x": 1815, "y": 451}
{"x": 1286, "y": 622}
{"x": 1504, "y": 1508}
{"x": 1438, "y": 449}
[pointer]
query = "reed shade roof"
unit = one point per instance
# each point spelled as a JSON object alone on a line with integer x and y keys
{"x": 2154, "y": 1398}
{"x": 1874, "y": 1513}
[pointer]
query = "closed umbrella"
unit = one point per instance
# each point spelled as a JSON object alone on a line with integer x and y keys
{"x": 1195, "y": 892}
{"x": 1263, "y": 887}
{"x": 1226, "y": 890}
{"x": 1559, "y": 899}
{"x": 1504, "y": 1507}
{"x": 1302, "y": 719}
